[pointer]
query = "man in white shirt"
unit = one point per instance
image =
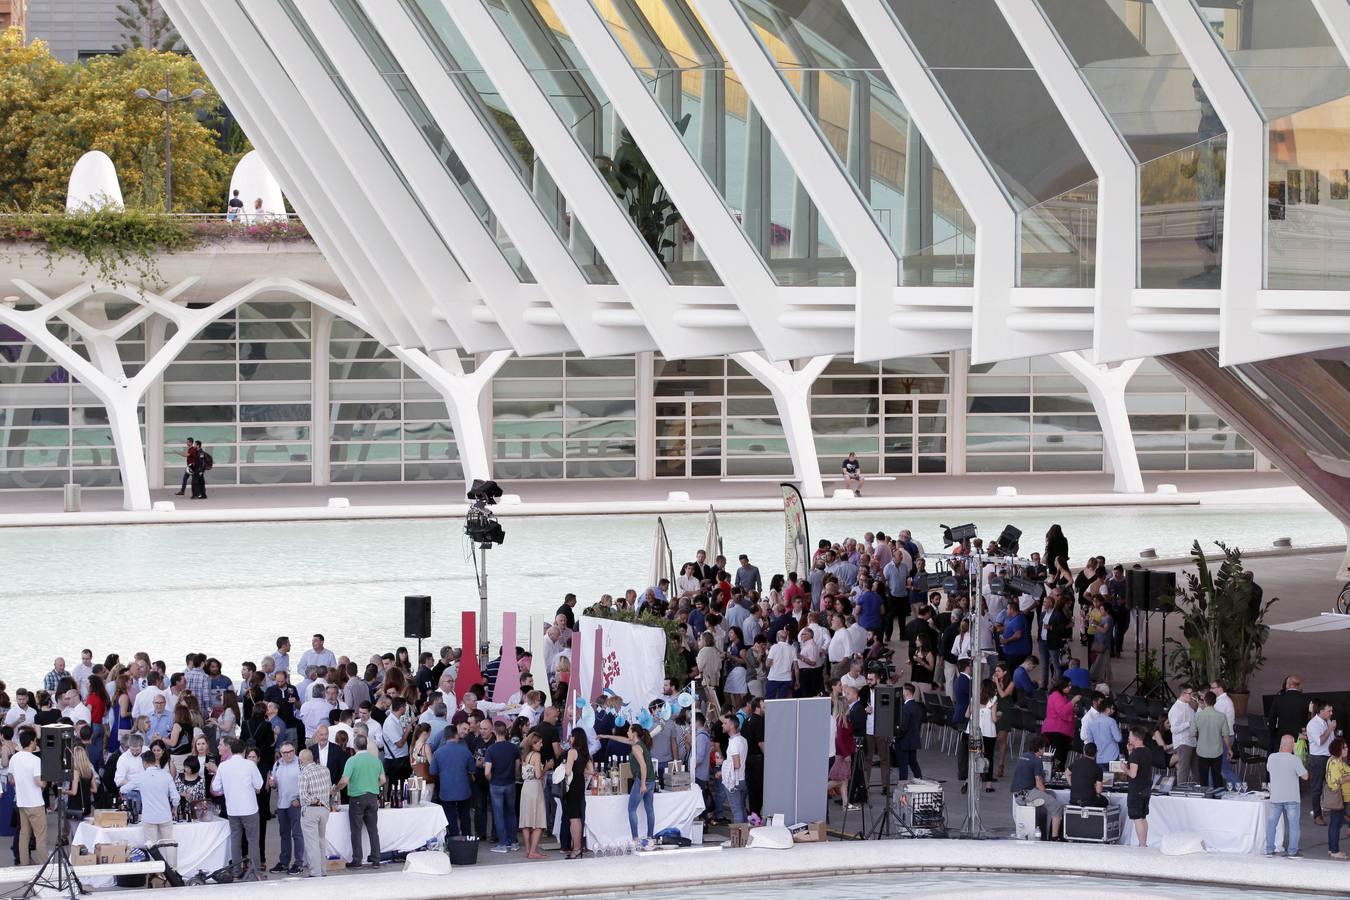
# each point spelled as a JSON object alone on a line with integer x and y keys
{"x": 238, "y": 781}
{"x": 1284, "y": 770}
{"x": 22, "y": 712}
{"x": 840, "y": 648}
{"x": 1224, "y": 704}
{"x": 74, "y": 710}
{"x": 314, "y": 711}
{"x": 1321, "y": 730}
{"x": 317, "y": 655}
{"x": 159, "y": 800}
{"x": 1180, "y": 718}
{"x": 782, "y": 676}
{"x": 145, "y": 700}
{"x": 854, "y": 677}
{"x": 129, "y": 760}
{"x": 83, "y": 671}
{"x": 731, "y": 785}
{"x": 857, "y": 636}
{"x": 25, "y": 770}
{"x": 281, "y": 660}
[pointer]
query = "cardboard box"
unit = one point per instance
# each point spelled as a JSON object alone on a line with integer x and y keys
{"x": 110, "y": 818}
{"x": 814, "y": 832}
{"x": 111, "y": 853}
{"x": 740, "y": 834}
{"x": 335, "y": 865}
{"x": 81, "y": 855}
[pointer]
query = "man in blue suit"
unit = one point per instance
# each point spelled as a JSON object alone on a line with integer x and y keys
{"x": 908, "y": 740}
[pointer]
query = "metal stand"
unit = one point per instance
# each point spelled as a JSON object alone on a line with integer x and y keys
{"x": 62, "y": 879}
{"x": 480, "y": 575}
{"x": 858, "y": 774}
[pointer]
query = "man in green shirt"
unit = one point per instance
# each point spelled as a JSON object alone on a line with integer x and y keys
{"x": 363, "y": 776}
{"x": 1212, "y": 736}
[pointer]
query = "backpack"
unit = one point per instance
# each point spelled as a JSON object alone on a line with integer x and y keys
{"x": 207, "y": 462}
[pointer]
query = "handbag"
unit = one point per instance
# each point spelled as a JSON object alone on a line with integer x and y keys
{"x": 1332, "y": 798}
{"x": 559, "y": 775}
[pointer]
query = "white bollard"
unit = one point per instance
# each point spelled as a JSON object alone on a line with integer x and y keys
{"x": 338, "y": 503}
{"x": 163, "y": 506}
{"x": 843, "y": 494}
{"x": 1165, "y": 489}
{"x": 1005, "y": 490}
{"x": 677, "y": 497}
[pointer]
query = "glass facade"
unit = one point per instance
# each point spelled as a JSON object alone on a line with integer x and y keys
{"x": 243, "y": 388}
{"x": 52, "y": 430}
{"x": 385, "y": 422}
{"x": 976, "y": 61}
{"x": 565, "y": 417}
{"x": 1142, "y": 82}
{"x": 892, "y": 414}
{"x": 714, "y": 419}
{"x": 1297, "y": 78}
{"x": 1175, "y": 430}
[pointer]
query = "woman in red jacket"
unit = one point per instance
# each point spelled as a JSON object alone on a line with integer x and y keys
{"x": 1059, "y": 721}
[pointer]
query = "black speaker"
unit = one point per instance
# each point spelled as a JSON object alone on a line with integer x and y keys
{"x": 54, "y": 748}
{"x": 886, "y": 702}
{"x": 1162, "y": 591}
{"x": 1136, "y": 588}
{"x": 417, "y": 616}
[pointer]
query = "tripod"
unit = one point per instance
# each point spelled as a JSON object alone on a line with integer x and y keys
{"x": 857, "y": 788}
{"x": 890, "y": 818}
{"x": 62, "y": 879}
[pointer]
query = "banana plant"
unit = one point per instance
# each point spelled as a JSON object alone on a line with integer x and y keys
{"x": 634, "y": 182}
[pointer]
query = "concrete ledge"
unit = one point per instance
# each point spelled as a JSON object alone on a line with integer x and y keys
{"x": 674, "y": 872}
{"x": 635, "y": 506}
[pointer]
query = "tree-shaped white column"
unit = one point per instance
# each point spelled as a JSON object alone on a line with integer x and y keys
{"x": 791, "y": 390}
{"x": 1106, "y": 388}
{"x": 461, "y": 392}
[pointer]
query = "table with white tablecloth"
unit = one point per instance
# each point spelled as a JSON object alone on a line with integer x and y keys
{"x": 607, "y": 817}
{"x": 202, "y": 846}
{"x": 401, "y": 830}
{"x": 1236, "y": 825}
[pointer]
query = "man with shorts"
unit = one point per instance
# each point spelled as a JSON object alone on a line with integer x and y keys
{"x": 853, "y": 474}
{"x": 1028, "y": 785}
{"x": 1139, "y": 768}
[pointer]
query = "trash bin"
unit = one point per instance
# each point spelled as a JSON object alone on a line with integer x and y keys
{"x": 72, "y": 498}
{"x": 463, "y": 850}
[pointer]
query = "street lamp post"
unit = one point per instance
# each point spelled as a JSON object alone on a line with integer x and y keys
{"x": 166, "y": 99}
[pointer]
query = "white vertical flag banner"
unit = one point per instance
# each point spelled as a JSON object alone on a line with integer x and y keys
{"x": 632, "y": 659}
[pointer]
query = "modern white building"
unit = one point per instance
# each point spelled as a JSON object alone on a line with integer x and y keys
{"x": 647, "y": 238}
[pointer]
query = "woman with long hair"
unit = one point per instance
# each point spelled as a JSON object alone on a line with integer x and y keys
{"x": 227, "y": 722}
{"x": 163, "y": 758}
{"x": 579, "y": 772}
{"x": 533, "y": 812}
{"x": 402, "y": 661}
{"x": 121, "y": 711}
{"x": 922, "y": 663}
{"x": 735, "y": 685}
{"x": 988, "y": 730}
{"x": 420, "y": 755}
{"x": 1059, "y": 723}
{"x": 1007, "y": 696}
{"x": 98, "y": 702}
{"x": 644, "y": 782}
{"x": 180, "y": 735}
{"x": 81, "y": 787}
{"x": 219, "y": 684}
{"x": 1056, "y": 546}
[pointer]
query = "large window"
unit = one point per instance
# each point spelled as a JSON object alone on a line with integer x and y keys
{"x": 713, "y": 418}
{"x": 386, "y": 423}
{"x": 565, "y": 417}
{"x": 242, "y": 388}
{"x": 1174, "y": 430}
{"x": 1029, "y": 416}
{"x": 53, "y": 431}
{"x": 892, "y": 414}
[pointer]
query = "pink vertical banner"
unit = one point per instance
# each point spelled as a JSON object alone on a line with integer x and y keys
{"x": 508, "y": 672}
{"x": 570, "y": 711}
{"x": 469, "y": 674}
{"x": 597, "y": 663}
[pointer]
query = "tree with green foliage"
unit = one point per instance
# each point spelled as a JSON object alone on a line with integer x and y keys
{"x": 146, "y": 26}
{"x": 51, "y": 113}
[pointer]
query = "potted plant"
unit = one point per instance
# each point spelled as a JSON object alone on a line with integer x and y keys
{"x": 1223, "y": 626}
{"x": 631, "y": 176}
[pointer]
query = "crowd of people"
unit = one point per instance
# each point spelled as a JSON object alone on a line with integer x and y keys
{"x": 284, "y": 738}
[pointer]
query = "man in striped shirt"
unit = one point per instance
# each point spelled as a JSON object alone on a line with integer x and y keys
{"x": 315, "y": 787}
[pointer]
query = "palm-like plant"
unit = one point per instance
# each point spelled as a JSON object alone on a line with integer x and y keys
{"x": 1224, "y": 636}
{"x": 634, "y": 182}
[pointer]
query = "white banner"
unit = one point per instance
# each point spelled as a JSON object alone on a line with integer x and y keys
{"x": 632, "y": 660}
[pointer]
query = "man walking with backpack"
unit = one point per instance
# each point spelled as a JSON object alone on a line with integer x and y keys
{"x": 201, "y": 464}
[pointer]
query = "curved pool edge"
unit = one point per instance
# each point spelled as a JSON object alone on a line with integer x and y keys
{"x": 676, "y": 869}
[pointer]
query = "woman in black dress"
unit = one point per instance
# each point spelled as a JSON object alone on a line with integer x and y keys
{"x": 579, "y": 770}
{"x": 1056, "y": 546}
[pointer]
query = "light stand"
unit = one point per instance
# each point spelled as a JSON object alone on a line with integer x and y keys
{"x": 483, "y": 529}
{"x": 62, "y": 879}
{"x": 859, "y": 774}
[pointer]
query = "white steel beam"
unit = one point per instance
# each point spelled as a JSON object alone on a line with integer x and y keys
{"x": 446, "y": 206}
{"x": 426, "y": 270}
{"x": 876, "y": 267}
{"x": 1244, "y": 200}
{"x": 542, "y": 249}
{"x": 995, "y": 224}
{"x": 648, "y": 286}
{"x": 262, "y": 121}
{"x": 1117, "y": 248}
{"x": 703, "y": 208}
{"x": 1336, "y": 17}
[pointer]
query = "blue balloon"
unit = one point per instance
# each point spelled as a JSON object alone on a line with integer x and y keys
{"x": 587, "y": 717}
{"x": 581, "y": 701}
{"x": 686, "y": 699}
{"x": 620, "y": 719}
{"x": 644, "y": 719}
{"x": 664, "y": 711}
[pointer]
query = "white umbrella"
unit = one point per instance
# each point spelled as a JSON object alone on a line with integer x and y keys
{"x": 663, "y": 562}
{"x": 712, "y": 542}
